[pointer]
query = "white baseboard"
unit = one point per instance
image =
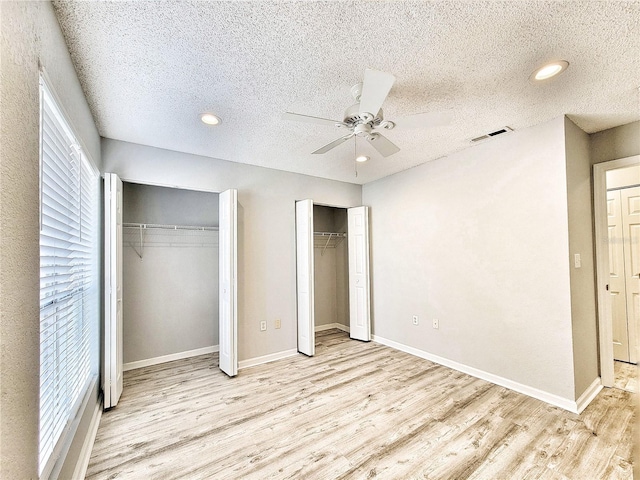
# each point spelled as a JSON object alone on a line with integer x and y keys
{"x": 331, "y": 326}
{"x": 556, "y": 400}
{"x": 272, "y": 357}
{"x": 85, "y": 453}
{"x": 344, "y": 328}
{"x": 588, "y": 395}
{"x": 170, "y": 358}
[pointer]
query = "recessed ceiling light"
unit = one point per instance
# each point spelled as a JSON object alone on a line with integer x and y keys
{"x": 362, "y": 158}
{"x": 210, "y": 119}
{"x": 549, "y": 70}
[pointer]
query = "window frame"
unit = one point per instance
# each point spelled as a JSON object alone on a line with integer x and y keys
{"x": 86, "y": 254}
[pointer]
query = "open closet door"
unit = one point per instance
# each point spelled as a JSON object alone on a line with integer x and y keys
{"x": 359, "y": 295}
{"x": 112, "y": 364}
{"x": 304, "y": 264}
{"x": 228, "y": 322}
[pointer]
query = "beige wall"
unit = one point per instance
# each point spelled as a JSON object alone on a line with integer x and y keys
{"x": 324, "y": 270}
{"x": 480, "y": 240}
{"x": 615, "y": 143}
{"x": 331, "y": 269}
{"x": 170, "y": 295}
{"x": 583, "y": 294}
{"x": 266, "y": 256}
{"x": 30, "y": 36}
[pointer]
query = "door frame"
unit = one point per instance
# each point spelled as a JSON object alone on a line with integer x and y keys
{"x": 321, "y": 204}
{"x": 194, "y": 189}
{"x": 605, "y": 326}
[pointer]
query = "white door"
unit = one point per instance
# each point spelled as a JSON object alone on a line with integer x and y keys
{"x": 616, "y": 278}
{"x": 623, "y": 214}
{"x": 228, "y": 322}
{"x": 304, "y": 278}
{"x": 630, "y": 201}
{"x": 359, "y": 290}
{"x": 112, "y": 365}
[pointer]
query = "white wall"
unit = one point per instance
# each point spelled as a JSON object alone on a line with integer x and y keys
{"x": 479, "y": 240}
{"x": 170, "y": 295}
{"x": 266, "y": 257}
{"x": 30, "y": 36}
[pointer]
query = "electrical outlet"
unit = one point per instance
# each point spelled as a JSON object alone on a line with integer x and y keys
{"x": 415, "y": 320}
{"x": 263, "y": 326}
{"x": 278, "y": 323}
{"x": 436, "y": 323}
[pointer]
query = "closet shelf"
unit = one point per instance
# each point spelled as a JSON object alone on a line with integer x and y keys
{"x": 156, "y": 226}
{"x": 326, "y": 240}
{"x": 141, "y": 235}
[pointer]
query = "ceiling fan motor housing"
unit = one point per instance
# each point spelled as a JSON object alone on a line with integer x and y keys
{"x": 353, "y": 117}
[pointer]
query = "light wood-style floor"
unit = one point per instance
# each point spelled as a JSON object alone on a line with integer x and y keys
{"x": 354, "y": 411}
{"x": 625, "y": 376}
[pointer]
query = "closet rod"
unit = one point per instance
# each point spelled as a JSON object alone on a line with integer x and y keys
{"x": 148, "y": 226}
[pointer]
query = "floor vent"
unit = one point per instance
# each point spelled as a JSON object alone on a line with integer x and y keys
{"x": 492, "y": 134}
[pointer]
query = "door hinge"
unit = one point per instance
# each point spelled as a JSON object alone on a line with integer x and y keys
{"x": 607, "y": 287}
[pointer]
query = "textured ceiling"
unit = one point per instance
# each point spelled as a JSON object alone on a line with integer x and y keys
{"x": 149, "y": 68}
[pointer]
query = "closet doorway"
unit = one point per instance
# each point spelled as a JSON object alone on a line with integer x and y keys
{"x": 170, "y": 282}
{"x": 623, "y": 220}
{"x": 332, "y": 258}
{"x": 617, "y": 273}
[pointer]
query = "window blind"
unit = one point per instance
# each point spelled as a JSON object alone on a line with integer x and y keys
{"x": 69, "y": 255}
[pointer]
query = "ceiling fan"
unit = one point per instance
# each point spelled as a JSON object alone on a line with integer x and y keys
{"x": 365, "y": 117}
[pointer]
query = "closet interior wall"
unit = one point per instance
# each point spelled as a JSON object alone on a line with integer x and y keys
{"x": 170, "y": 277}
{"x": 331, "y": 268}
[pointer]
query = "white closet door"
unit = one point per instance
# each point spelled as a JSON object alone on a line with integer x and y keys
{"x": 228, "y": 322}
{"x": 304, "y": 262}
{"x": 359, "y": 293}
{"x": 617, "y": 278}
{"x": 630, "y": 202}
{"x": 112, "y": 365}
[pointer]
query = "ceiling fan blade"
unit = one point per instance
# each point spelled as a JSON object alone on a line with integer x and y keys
{"x": 424, "y": 120}
{"x": 306, "y": 118}
{"x": 375, "y": 88}
{"x": 333, "y": 144}
{"x": 382, "y": 144}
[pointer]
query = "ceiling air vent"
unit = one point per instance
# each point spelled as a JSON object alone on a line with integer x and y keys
{"x": 492, "y": 134}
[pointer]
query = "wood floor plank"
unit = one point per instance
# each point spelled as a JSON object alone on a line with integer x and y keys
{"x": 355, "y": 410}
{"x": 625, "y": 376}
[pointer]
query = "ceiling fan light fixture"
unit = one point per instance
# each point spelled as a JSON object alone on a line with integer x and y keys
{"x": 549, "y": 70}
{"x": 210, "y": 119}
{"x": 362, "y": 158}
